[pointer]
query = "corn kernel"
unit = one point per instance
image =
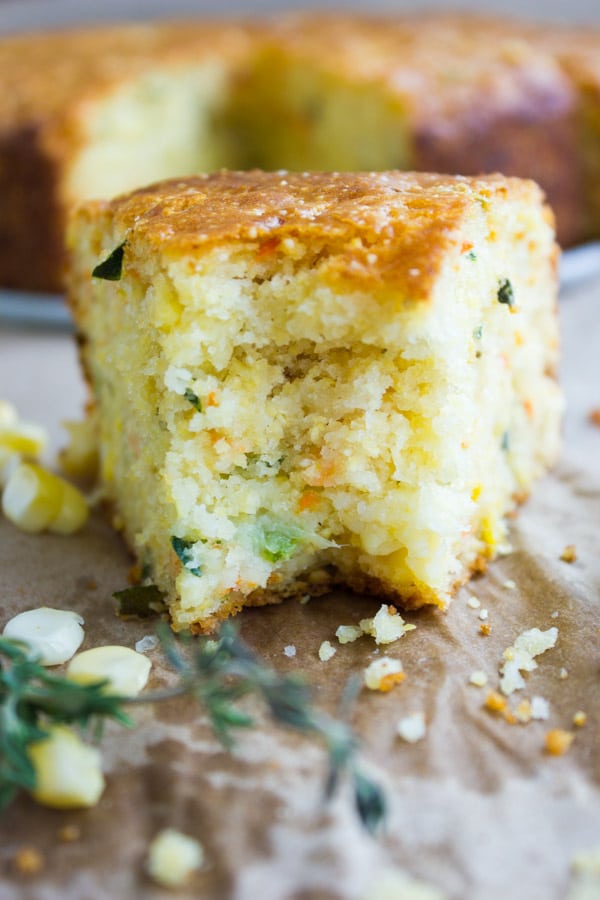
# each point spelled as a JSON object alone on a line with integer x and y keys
{"x": 9, "y": 460}
{"x": 172, "y": 857}
{"x": 79, "y": 459}
{"x": 23, "y": 437}
{"x": 35, "y": 499}
{"x": 67, "y": 772}
{"x": 8, "y": 413}
{"x": 53, "y": 635}
{"x": 126, "y": 671}
{"x": 73, "y": 512}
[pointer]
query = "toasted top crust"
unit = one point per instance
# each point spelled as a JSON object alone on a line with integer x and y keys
{"x": 375, "y": 228}
{"x": 74, "y": 64}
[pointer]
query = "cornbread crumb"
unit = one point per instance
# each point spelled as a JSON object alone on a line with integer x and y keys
{"x": 28, "y": 861}
{"x": 382, "y": 674}
{"x": 346, "y": 634}
{"x": 522, "y": 712}
{"x": 386, "y": 626}
{"x": 510, "y": 585}
{"x": 473, "y": 603}
{"x": 563, "y": 674}
{"x": 478, "y": 678}
{"x": 558, "y": 741}
{"x": 396, "y": 884}
{"x": 540, "y": 708}
{"x": 289, "y": 650}
{"x": 412, "y": 728}
{"x": 68, "y": 834}
{"x": 173, "y": 857}
{"x": 520, "y": 657}
{"x": 594, "y": 416}
{"x": 554, "y": 615}
{"x": 483, "y": 615}
{"x": 569, "y": 554}
{"x": 485, "y": 629}
{"x": 495, "y": 702}
{"x": 326, "y": 651}
{"x": 579, "y": 719}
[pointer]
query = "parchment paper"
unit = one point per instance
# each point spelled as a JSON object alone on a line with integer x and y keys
{"x": 477, "y": 808}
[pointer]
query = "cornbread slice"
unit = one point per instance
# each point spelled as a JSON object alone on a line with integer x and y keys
{"x": 93, "y": 112}
{"x": 310, "y": 379}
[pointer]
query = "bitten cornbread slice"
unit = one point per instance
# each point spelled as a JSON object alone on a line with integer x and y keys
{"x": 310, "y": 379}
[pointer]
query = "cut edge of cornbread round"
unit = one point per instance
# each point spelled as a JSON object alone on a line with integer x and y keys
{"x": 304, "y": 379}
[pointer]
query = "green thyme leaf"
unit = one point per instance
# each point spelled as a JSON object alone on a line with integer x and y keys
{"x": 472, "y": 255}
{"x": 505, "y": 441}
{"x": 192, "y": 398}
{"x": 505, "y": 292}
{"x": 111, "y": 268}
{"x": 183, "y": 549}
{"x": 141, "y": 601}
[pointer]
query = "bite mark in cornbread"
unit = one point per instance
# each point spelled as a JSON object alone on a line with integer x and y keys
{"x": 310, "y": 379}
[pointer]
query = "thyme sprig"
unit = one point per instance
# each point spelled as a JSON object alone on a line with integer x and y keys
{"x": 216, "y": 673}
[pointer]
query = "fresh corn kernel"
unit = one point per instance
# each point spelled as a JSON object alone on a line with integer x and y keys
{"x": 9, "y": 460}
{"x": 67, "y": 772}
{"x": 8, "y": 413}
{"x": 173, "y": 857}
{"x": 73, "y": 512}
{"x": 53, "y": 635}
{"x": 125, "y": 670}
{"x": 35, "y": 500}
{"x": 79, "y": 459}
{"x": 23, "y": 437}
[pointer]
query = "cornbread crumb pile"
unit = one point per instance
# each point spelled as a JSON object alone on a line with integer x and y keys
{"x": 311, "y": 379}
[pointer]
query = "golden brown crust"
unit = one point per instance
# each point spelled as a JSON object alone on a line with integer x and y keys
{"x": 374, "y": 228}
{"x": 479, "y": 95}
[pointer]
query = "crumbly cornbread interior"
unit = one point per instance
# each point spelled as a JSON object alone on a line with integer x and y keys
{"x": 271, "y": 424}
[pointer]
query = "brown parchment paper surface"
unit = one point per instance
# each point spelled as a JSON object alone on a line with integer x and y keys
{"x": 476, "y": 808}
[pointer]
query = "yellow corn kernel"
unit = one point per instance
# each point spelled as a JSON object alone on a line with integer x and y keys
{"x": 35, "y": 499}
{"x": 125, "y": 670}
{"x": 73, "y": 512}
{"x": 23, "y": 437}
{"x": 173, "y": 857}
{"x": 67, "y": 772}
{"x": 79, "y": 459}
{"x": 9, "y": 460}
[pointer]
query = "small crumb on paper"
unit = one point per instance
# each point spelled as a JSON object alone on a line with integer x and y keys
{"x": 382, "y": 674}
{"x": 510, "y": 585}
{"x": 346, "y": 634}
{"x": 386, "y": 626}
{"x": 522, "y": 712}
{"x": 289, "y": 650}
{"x": 483, "y": 615}
{"x": 558, "y": 741}
{"x": 579, "y": 719}
{"x": 495, "y": 702}
{"x": 68, "y": 834}
{"x": 520, "y": 657}
{"x": 412, "y": 728}
{"x": 148, "y": 642}
{"x": 563, "y": 674}
{"x": 478, "y": 678}
{"x": 594, "y": 416}
{"x": 326, "y": 651}
{"x": 540, "y": 708}
{"x": 569, "y": 554}
{"x": 473, "y": 603}
{"x": 28, "y": 861}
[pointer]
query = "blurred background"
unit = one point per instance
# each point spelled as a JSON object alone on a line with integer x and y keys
{"x": 18, "y": 15}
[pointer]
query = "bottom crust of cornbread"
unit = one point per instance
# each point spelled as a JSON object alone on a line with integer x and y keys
{"x": 310, "y": 380}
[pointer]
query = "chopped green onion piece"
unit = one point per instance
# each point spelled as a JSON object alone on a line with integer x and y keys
{"x": 183, "y": 549}
{"x": 505, "y": 292}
